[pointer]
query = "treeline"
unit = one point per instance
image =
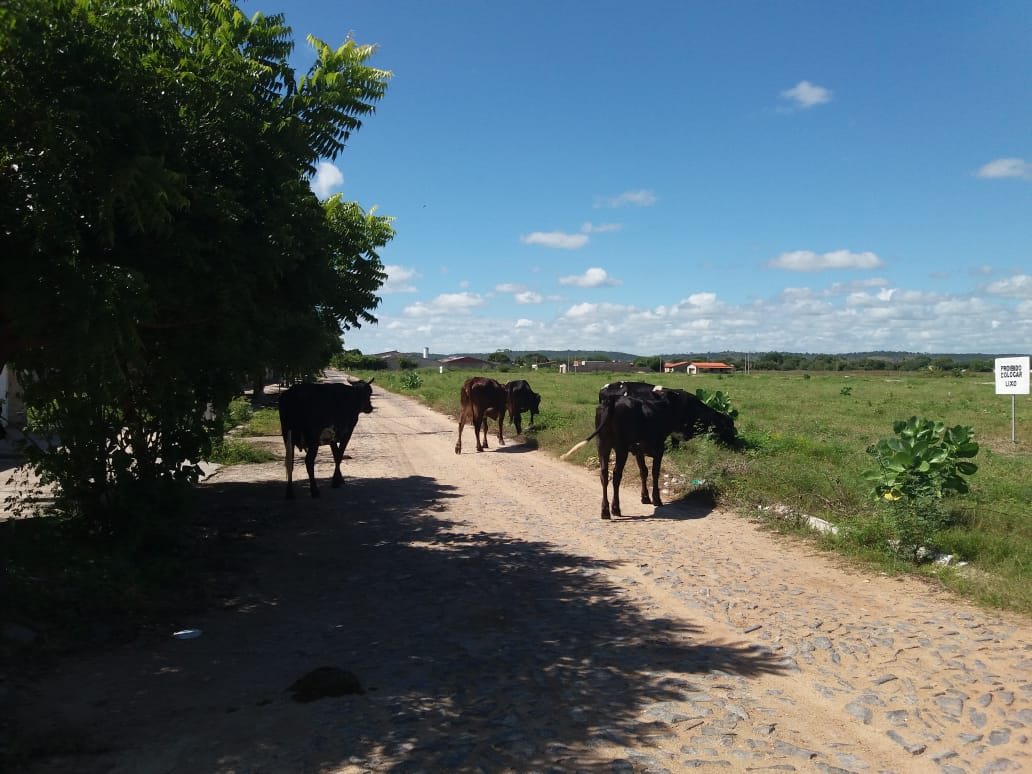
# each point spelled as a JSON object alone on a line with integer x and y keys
{"x": 768, "y": 361}
{"x": 788, "y": 361}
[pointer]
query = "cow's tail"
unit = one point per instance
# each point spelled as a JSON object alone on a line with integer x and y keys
{"x": 606, "y": 413}
{"x": 581, "y": 445}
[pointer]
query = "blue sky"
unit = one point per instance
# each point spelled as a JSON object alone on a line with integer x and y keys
{"x": 666, "y": 177}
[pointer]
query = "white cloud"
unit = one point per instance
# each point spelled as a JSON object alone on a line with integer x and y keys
{"x": 639, "y": 198}
{"x": 842, "y": 288}
{"x": 445, "y": 304}
{"x": 806, "y": 260}
{"x": 1018, "y": 286}
{"x": 1002, "y": 168}
{"x": 805, "y": 95}
{"x": 509, "y": 287}
{"x": 555, "y": 239}
{"x": 327, "y": 178}
{"x": 528, "y": 297}
{"x": 601, "y": 228}
{"x": 836, "y": 318}
{"x": 398, "y": 279}
{"x": 701, "y": 299}
{"x": 592, "y": 278}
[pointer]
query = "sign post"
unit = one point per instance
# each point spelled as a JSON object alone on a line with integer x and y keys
{"x": 1012, "y": 379}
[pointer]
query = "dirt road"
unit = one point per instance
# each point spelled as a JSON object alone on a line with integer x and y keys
{"x": 495, "y": 623}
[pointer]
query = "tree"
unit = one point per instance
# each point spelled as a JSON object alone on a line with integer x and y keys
{"x": 651, "y": 363}
{"x": 159, "y": 241}
{"x": 500, "y": 356}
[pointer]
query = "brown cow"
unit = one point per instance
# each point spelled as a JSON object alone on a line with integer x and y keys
{"x": 482, "y": 398}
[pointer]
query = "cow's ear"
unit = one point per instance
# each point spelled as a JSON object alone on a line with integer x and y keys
{"x": 371, "y": 380}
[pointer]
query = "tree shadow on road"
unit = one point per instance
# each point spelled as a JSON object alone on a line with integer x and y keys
{"x": 474, "y": 649}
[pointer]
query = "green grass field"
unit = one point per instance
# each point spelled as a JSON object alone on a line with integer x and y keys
{"x": 805, "y": 439}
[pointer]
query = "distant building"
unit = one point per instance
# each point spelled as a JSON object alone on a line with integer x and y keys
{"x": 709, "y": 368}
{"x": 689, "y": 367}
{"x": 465, "y": 361}
{"x": 590, "y": 366}
{"x": 394, "y": 357}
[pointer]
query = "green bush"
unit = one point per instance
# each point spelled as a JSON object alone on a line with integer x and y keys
{"x": 239, "y": 412}
{"x": 718, "y": 400}
{"x": 917, "y": 468}
{"x": 410, "y": 380}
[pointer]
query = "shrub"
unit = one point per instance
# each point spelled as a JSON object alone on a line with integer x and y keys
{"x": 718, "y": 400}
{"x": 239, "y": 412}
{"x": 921, "y": 465}
{"x": 410, "y": 380}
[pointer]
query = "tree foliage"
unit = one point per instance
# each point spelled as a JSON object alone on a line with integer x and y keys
{"x": 159, "y": 240}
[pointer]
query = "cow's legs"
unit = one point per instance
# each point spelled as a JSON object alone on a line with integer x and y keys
{"x": 656, "y": 462}
{"x": 313, "y": 449}
{"x": 618, "y": 468}
{"x": 501, "y": 421}
{"x": 337, "y": 447}
{"x": 343, "y": 438}
{"x": 289, "y": 463}
{"x": 644, "y": 471}
{"x": 462, "y": 424}
{"x": 480, "y": 424}
{"x": 603, "y": 474}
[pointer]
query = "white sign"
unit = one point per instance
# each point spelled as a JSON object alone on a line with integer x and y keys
{"x": 1012, "y": 375}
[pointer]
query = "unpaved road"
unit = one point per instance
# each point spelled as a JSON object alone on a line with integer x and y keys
{"x": 497, "y": 624}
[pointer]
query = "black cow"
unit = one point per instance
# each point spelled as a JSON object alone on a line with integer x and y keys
{"x": 314, "y": 414}
{"x": 482, "y": 398}
{"x": 520, "y": 398}
{"x": 634, "y": 389}
{"x": 640, "y": 426}
{"x": 644, "y": 390}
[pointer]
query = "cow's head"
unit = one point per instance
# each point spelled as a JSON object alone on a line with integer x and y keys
{"x": 365, "y": 394}
{"x": 723, "y": 426}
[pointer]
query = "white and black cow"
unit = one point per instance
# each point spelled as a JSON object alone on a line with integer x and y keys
{"x": 313, "y": 414}
{"x": 640, "y": 426}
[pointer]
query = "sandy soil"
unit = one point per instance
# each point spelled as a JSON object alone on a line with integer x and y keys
{"x": 495, "y": 623}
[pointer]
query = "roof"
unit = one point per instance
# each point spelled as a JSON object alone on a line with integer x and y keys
{"x": 712, "y": 365}
{"x": 463, "y": 358}
{"x": 675, "y": 365}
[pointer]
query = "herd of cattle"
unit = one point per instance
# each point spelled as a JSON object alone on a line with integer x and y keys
{"x": 631, "y": 418}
